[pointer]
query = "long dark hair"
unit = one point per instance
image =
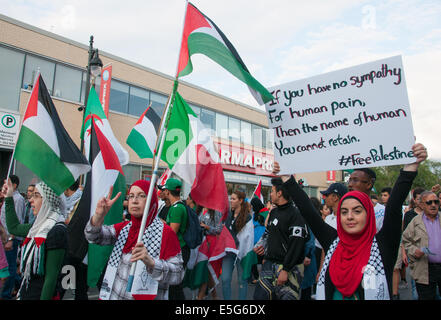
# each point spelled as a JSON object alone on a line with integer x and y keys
{"x": 244, "y": 212}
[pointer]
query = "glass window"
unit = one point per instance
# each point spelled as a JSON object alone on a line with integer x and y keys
{"x": 139, "y": 101}
{"x": 195, "y": 109}
{"x": 67, "y": 83}
{"x": 234, "y": 129}
{"x": 208, "y": 118}
{"x": 11, "y": 66}
{"x": 269, "y": 138}
{"x": 119, "y": 96}
{"x": 158, "y": 102}
{"x": 245, "y": 133}
{"x": 222, "y": 126}
{"x": 132, "y": 173}
{"x": 47, "y": 70}
{"x": 257, "y": 135}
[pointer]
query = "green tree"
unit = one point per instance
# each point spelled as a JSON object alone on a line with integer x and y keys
{"x": 429, "y": 174}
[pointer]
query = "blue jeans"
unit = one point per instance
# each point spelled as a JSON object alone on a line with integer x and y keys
{"x": 9, "y": 285}
{"x": 227, "y": 275}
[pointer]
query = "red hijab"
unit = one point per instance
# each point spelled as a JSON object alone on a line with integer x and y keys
{"x": 353, "y": 251}
{"x": 136, "y": 222}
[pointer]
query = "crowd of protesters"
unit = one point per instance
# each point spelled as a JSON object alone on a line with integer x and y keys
{"x": 351, "y": 244}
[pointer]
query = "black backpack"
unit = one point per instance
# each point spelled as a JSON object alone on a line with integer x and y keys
{"x": 193, "y": 235}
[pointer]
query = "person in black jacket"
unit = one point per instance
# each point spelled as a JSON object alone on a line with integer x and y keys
{"x": 372, "y": 279}
{"x": 283, "y": 247}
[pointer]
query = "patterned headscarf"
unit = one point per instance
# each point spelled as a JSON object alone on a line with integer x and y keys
{"x": 33, "y": 251}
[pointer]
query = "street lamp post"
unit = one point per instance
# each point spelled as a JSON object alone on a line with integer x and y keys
{"x": 94, "y": 65}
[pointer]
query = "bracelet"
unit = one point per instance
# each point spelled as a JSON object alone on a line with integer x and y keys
{"x": 10, "y": 238}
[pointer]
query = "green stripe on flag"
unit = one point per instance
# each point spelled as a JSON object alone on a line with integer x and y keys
{"x": 37, "y": 156}
{"x": 179, "y": 132}
{"x": 138, "y": 144}
{"x": 195, "y": 277}
{"x": 247, "y": 262}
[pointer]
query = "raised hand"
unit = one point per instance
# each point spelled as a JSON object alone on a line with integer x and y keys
{"x": 420, "y": 153}
{"x": 103, "y": 206}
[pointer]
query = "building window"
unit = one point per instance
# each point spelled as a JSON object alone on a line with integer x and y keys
{"x": 234, "y": 129}
{"x": 208, "y": 118}
{"x": 119, "y": 96}
{"x": 195, "y": 109}
{"x": 139, "y": 101}
{"x": 257, "y": 135}
{"x": 47, "y": 70}
{"x": 11, "y": 66}
{"x": 245, "y": 133}
{"x": 222, "y": 126}
{"x": 132, "y": 173}
{"x": 158, "y": 103}
{"x": 67, "y": 83}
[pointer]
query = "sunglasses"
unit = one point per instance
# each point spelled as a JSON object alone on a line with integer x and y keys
{"x": 429, "y": 203}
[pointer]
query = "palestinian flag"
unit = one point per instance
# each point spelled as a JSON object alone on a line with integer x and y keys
{"x": 142, "y": 138}
{"x": 258, "y": 191}
{"x": 246, "y": 254}
{"x": 106, "y": 172}
{"x": 201, "y": 35}
{"x": 94, "y": 110}
{"x": 207, "y": 258}
{"x": 45, "y": 147}
{"x": 189, "y": 152}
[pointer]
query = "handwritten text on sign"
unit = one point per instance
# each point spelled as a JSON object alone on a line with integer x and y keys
{"x": 354, "y": 117}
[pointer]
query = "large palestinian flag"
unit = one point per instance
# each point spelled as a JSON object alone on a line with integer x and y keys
{"x": 45, "y": 147}
{"x": 142, "y": 138}
{"x": 201, "y": 35}
{"x": 189, "y": 152}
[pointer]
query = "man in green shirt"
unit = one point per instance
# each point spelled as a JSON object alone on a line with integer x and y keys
{"x": 177, "y": 219}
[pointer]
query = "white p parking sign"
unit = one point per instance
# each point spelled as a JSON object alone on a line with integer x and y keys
{"x": 9, "y": 128}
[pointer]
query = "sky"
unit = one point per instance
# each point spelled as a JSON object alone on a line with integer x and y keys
{"x": 279, "y": 40}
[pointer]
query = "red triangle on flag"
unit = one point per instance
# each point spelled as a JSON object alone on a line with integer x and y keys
{"x": 32, "y": 108}
{"x": 110, "y": 159}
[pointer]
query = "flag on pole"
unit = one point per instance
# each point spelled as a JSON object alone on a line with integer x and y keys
{"x": 94, "y": 110}
{"x": 201, "y": 35}
{"x": 45, "y": 147}
{"x": 163, "y": 179}
{"x": 258, "y": 191}
{"x": 208, "y": 258}
{"x": 106, "y": 172}
{"x": 142, "y": 138}
{"x": 246, "y": 254}
{"x": 190, "y": 154}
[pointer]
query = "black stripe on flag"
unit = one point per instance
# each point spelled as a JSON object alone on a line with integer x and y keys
{"x": 69, "y": 152}
{"x": 153, "y": 117}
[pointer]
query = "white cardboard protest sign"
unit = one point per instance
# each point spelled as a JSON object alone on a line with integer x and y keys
{"x": 350, "y": 118}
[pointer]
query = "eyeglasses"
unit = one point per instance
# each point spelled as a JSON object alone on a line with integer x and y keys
{"x": 140, "y": 196}
{"x": 429, "y": 203}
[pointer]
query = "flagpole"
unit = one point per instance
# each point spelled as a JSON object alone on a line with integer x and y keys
{"x": 156, "y": 160}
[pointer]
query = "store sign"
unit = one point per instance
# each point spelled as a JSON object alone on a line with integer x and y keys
{"x": 330, "y": 176}
{"x": 245, "y": 160}
{"x": 9, "y": 128}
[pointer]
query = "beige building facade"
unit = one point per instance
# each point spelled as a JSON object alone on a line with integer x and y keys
{"x": 239, "y": 131}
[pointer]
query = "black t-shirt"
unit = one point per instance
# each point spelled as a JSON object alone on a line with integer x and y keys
{"x": 408, "y": 217}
